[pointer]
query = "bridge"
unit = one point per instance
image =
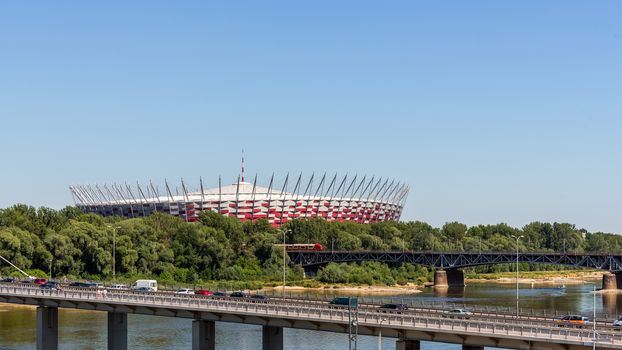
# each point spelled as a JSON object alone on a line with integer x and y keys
{"x": 448, "y": 265}
{"x": 275, "y": 315}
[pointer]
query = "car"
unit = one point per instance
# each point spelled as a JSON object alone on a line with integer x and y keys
{"x": 187, "y": 291}
{"x": 50, "y": 286}
{"x": 39, "y": 281}
{"x": 118, "y": 286}
{"x": 259, "y": 298}
{"x": 8, "y": 280}
{"x": 398, "y": 308}
{"x": 572, "y": 321}
{"x": 237, "y": 295}
{"x": 617, "y": 322}
{"x": 143, "y": 290}
{"x": 204, "y": 292}
{"x": 458, "y": 313}
{"x": 219, "y": 294}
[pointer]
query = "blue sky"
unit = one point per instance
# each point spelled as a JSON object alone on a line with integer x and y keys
{"x": 493, "y": 111}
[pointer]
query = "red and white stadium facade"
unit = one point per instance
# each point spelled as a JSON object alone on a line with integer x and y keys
{"x": 365, "y": 200}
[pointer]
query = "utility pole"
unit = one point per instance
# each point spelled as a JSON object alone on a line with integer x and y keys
{"x": 517, "y": 238}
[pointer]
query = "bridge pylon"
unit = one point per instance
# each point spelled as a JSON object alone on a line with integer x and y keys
{"x": 448, "y": 278}
{"x": 612, "y": 280}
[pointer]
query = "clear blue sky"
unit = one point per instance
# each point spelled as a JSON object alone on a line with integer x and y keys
{"x": 493, "y": 111}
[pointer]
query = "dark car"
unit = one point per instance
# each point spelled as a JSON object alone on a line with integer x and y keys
{"x": 238, "y": 295}
{"x": 259, "y": 298}
{"x": 143, "y": 290}
{"x": 8, "y": 280}
{"x": 398, "y": 308}
{"x": 219, "y": 294}
{"x": 82, "y": 284}
{"x": 204, "y": 292}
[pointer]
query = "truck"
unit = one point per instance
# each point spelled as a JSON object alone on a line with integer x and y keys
{"x": 345, "y": 301}
{"x": 152, "y": 285}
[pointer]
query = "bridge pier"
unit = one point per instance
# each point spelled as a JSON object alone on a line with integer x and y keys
{"x": 203, "y": 335}
{"x": 609, "y": 281}
{"x": 408, "y": 345}
{"x": 472, "y": 347}
{"x": 440, "y": 279}
{"x": 272, "y": 338}
{"x": 117, "y": 331}
{"x": 448, "y": 278}
{"x": 455, "y": 278}
{"x": 47, "y": 328}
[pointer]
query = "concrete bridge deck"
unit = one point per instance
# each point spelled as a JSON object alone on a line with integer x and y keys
{"x": 524, "y": 332}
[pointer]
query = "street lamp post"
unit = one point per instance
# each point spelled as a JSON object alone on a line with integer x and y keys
{"x": 380, "y": 333}
{"x": 284, "y": 253}
{"x": 114, "y": 251}
{"x": 517, "y": 238}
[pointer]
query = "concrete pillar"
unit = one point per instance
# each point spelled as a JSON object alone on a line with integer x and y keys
{"x": 47, "y": 328}
{"x": 407, "y": 345}
{"x": 609, "y": 281}
{"x": 272, "y": 338}
{"x": 117, "y": 331}
{"x": 440, "y": 279}
{"x": 455, "y": 278}
{"x": 203, "y": 335}
{"x": 472, "y": 347}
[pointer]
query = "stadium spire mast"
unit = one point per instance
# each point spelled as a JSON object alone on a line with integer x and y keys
{"x": 242, "y": 164}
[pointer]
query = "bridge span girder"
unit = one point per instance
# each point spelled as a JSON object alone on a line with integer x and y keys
{"x": 456, "y": 260}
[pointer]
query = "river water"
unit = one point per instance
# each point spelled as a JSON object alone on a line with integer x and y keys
{"x": 87, "y": 329}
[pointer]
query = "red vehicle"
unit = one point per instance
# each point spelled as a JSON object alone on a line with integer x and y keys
{"x": 203, "y": 292}
{"x": 39, "y": 281}
{"x": 306, "y": 246}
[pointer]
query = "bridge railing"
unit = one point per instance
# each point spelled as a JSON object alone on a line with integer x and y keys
{"x": 316, "y": 312}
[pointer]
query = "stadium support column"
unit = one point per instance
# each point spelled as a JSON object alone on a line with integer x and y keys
{"x": 272, "y": 338}
{"x": 203, "y": 335}
{"x": 47, "y": 328}
{"x": 407, "y": 345}
{"x": 117, "y": 331}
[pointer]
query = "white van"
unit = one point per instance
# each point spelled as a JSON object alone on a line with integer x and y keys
{"x": 145, "y": 285}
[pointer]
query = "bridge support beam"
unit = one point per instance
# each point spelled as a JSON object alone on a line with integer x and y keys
{"x": 47, "y": 328}
{"x": 440, "y": 279}
{"x": 272, "y": 338}
{"x": 408, "y": 345}
{"x": 203, "y": 335}
{"x": 117, "y": 331}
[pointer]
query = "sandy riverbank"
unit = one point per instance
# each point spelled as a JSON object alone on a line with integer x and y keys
{"x": 548, "y": 279}
{"x": 353, "y": 290}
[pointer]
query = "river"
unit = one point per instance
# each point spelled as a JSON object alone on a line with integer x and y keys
{"x": 87, "y": 329}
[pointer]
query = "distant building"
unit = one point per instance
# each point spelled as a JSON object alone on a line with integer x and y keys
{"x": 363, "y": 200}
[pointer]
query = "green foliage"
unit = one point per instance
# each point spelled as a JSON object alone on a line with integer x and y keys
{"x": 221, "y": 250}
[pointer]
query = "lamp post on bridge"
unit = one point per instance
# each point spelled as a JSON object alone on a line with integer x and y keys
{"x": 517, "y": 238}
{"x": 114, "y": 251}
{"x": 284, "y": 254}
{"x": 380, "y": 333}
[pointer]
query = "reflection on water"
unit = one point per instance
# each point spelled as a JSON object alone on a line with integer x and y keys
{"x": 87, "y": 329}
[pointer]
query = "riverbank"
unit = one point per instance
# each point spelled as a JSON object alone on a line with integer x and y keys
{"x": 353, "y": 290}
{"x": 538, "y": 277}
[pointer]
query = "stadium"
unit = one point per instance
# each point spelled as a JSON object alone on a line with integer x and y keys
{"x": 336, "y": 198}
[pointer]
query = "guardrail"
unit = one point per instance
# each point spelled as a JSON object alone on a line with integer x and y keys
{"x": 310, "y": 310}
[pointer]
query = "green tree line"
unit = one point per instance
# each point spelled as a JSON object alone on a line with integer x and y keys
{"x": 70, "y": 243}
